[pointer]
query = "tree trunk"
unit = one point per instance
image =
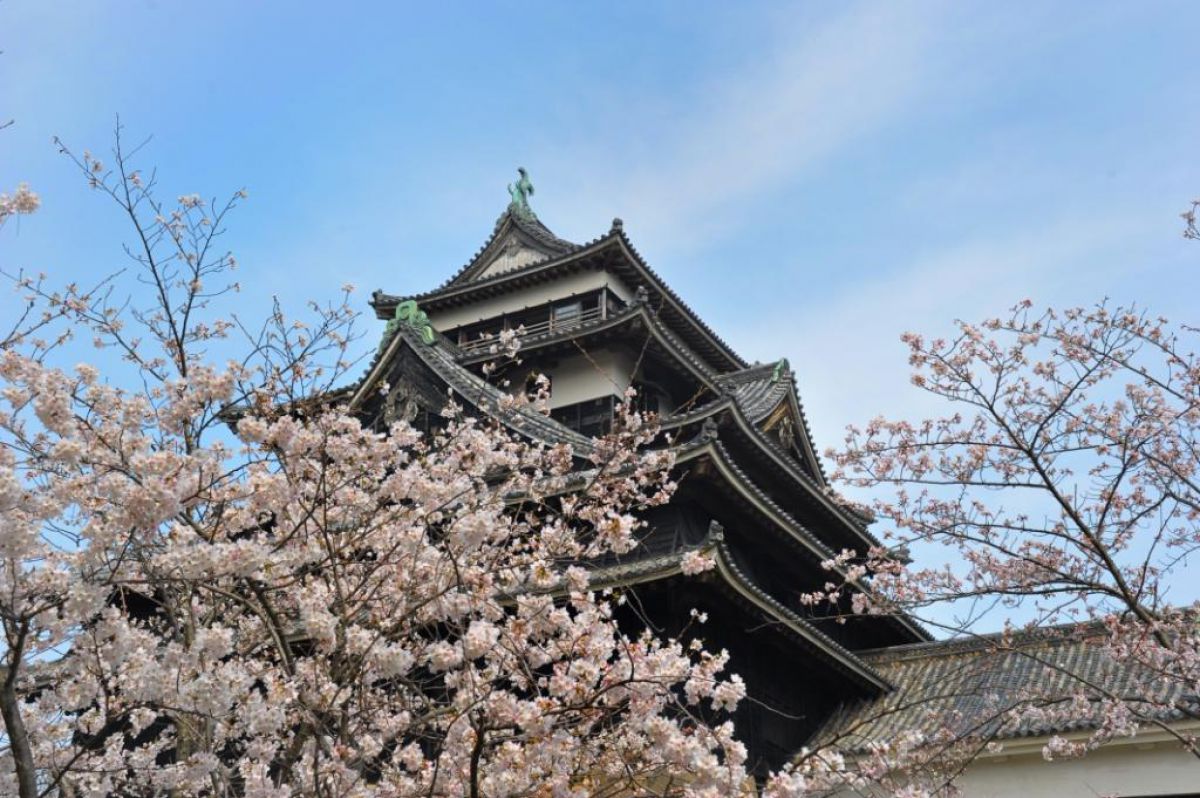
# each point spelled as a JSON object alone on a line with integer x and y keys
{"x": 18, "y": 739}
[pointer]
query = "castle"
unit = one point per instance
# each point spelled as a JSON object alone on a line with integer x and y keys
{"x": 595, "y": 319}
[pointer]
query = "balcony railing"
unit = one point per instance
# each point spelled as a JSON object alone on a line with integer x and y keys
{"x": 551, "y": 325}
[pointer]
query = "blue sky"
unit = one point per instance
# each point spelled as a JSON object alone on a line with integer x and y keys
{"x": 814, "y": 179}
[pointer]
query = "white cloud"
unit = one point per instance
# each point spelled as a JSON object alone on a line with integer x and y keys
{"x": 816, "y": 88}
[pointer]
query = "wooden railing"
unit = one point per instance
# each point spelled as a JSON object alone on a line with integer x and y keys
{"x": 551, "y": 325}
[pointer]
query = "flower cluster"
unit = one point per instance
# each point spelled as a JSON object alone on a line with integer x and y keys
{"x": 20, "y": 201}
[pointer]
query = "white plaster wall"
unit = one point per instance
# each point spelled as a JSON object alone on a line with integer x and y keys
{"x": 1125, "y": 769}
{"x": 578, "y": 379}
{"x": 566, "y": 286}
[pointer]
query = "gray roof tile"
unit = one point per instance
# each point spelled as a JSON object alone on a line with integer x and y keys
{"x": 972, "y": 686}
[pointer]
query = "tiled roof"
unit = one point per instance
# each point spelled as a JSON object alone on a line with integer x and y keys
{"x": 461, "y": 283}
{"x": 802, "y": 534}
{"x": 445, "y": 359}
{"x": 440, "y": 357}
{"x": 661, "y": 285}
{"x": 660, "y": 565}
{"x": 839, "y": 652}
{"x": 782, "y": 458}
{"x": 819, "y": 550}
{"x": 538, "y": 232}
{"x": 454, "y": 287}
{"x": 530, "y": 226}
{"x": 758, "y": 389}
{"x": 970, "y": 685}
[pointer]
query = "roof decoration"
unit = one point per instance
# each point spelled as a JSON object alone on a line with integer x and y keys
{"x": 520, "y": 192}
{"x": 781, "y": 368}
{"x": 408, "y": 313}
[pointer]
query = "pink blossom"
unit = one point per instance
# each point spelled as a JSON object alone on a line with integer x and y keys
{"x": 695, "y": 562}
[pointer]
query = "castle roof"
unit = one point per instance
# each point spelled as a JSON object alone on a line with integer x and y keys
{"x": 612, "y": 251}
{"x": 730, "y": 577}
{"x": 440, "y": 358}
{"x": 512, "y": 228}
{"x": 969, "y": 687}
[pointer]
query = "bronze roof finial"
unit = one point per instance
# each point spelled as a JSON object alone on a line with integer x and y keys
{"x": 520, "y": 192}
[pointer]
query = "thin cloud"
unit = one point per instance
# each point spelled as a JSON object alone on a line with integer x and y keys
{"x": 846, "y": 348}
{"x": 816, "y": 89}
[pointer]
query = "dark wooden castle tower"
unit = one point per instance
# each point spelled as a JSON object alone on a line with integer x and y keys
{"x": 596, "y": 320}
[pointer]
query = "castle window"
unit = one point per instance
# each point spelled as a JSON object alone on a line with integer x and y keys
{"x": 566, "y": 313}
{"x": 591, "y": 418}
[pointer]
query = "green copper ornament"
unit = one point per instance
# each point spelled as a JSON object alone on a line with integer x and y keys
{"x": 781, "y": 368}
{"x": 520, "y": 192}
{"x": 408, "y": 312}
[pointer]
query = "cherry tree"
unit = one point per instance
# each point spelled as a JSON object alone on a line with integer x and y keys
{"x": 215, "y": 581}
{"x": 1061, "y": 489}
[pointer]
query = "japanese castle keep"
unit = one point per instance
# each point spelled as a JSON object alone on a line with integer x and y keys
{"x": 597, "y": 320}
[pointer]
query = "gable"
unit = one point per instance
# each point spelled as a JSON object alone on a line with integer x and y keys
{"x": 766, "y": 395}
{"x": 517, "y": 240}
{"x": 788, "y": 429}
{"x": 513, "y": 252}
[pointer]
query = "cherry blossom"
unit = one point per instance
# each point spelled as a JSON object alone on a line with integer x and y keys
{"x": 1060, "y": 489}
{"x": 214, "y": 580}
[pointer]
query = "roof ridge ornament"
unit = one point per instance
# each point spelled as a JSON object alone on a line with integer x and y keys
{"x": 781, "y": 368}
{"x": 520, "y": 192}
{"x": 409, "y": 313}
